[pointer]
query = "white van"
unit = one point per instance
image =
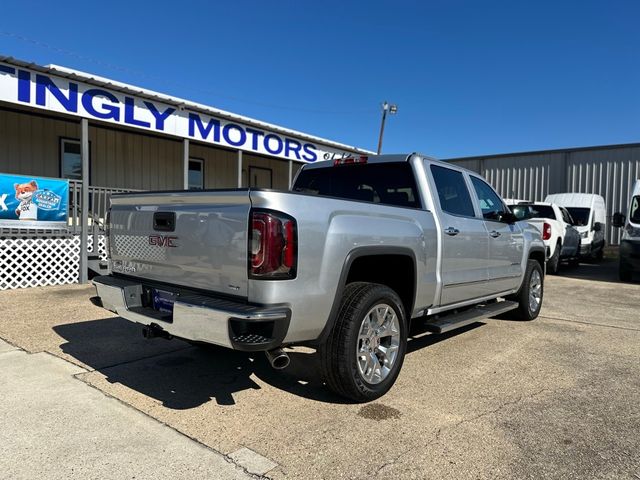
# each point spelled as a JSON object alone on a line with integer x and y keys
{"x": 590, "y": 215}
{"x": 630, "y": 242}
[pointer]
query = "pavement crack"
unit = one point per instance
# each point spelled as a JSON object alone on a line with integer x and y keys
{"x": 388, "y": 463}
{"x": 501, "y": 407}
{"x": 406, "y": 451}
{"x": 440, "y": 430}
{"x": 590, "y": 323}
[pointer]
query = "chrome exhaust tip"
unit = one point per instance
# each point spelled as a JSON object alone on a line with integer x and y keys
{"x": 278, "y": 358}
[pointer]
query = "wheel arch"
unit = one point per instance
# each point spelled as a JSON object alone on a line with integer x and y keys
{"x": 359, "y": 267}
{"x": 538, "y": 254}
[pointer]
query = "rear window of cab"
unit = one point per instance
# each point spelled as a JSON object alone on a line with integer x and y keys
{"x": 384, "y": 183}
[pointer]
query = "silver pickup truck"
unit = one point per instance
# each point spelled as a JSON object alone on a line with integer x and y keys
{"x": 360, "y": 247}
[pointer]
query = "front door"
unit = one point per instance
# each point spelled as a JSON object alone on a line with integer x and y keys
{"x": 465, "y": 245}
{"x": 506, "y": 241}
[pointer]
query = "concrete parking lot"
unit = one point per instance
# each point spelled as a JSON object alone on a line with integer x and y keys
{"x": 558, "y": 397}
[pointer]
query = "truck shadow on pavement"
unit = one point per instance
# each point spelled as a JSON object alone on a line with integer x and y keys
{"x": 182, "y": 376}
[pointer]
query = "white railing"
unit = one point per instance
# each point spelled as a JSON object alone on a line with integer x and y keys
{"x": 98, "y": 206}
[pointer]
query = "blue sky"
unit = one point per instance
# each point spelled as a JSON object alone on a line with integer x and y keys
{"x": 469, "y": 77}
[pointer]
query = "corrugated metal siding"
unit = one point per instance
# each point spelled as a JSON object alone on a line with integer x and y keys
{"x": 220, "y": 166}
{"x": 129, "y": 160}
{"x": 532, "y": 179}
{"x": 30, "y": 144}
{"x": 609, "y": 172}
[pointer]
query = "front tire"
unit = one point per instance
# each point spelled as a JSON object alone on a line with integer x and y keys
{"x": 363, "y": 354}
{"x": 529, "y": 297}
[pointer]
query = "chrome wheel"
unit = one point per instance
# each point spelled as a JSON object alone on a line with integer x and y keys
{"x": 378, "y": 343}
{"x": 535, "y": 291}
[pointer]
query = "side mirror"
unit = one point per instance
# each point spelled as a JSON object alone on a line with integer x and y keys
{"x": 597, "y": 227}
{"x": 618, "y": 220}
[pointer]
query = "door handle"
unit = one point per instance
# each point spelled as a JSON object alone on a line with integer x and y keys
{"x": 495, "y": 234}
{"x": 452, "y": 231}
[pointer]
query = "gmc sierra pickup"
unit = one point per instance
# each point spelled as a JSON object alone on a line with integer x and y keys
{"x": 344, "y": 262}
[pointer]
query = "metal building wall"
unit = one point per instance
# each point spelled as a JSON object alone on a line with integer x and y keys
{"x": 120, "y": 158}
{"x": 607, "y": 171}
{"x": 30, "y": 144}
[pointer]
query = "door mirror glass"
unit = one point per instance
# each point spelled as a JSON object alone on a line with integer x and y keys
{"x": 618, "y": 220}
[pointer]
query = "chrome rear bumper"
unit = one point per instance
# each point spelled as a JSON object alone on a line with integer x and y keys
{"x": 198, "y": 317}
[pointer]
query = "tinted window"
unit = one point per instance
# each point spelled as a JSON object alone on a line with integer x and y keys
{"x": 386, "y": 183}
{"x": 580, "y": 215}
{"x": 543, "y": 211}
{"x": 490, "y": 203}
{"x": 566, "y": 216}
{"x": 634, "y": 212}
{"x": 452, "y": 191}
{"x": 524, "y": 211}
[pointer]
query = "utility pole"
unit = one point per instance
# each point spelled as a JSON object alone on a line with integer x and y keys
{"x": 392, "y": 109}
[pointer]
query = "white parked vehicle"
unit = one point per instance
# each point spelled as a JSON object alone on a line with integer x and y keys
{"x": 556, "y": 226}
{"x": 630, "y": 242}
{"x": 589, "y": 212}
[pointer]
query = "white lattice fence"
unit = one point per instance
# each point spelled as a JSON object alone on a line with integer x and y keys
{"x": 102, "y": 246}
{"x": 38, "y": 261}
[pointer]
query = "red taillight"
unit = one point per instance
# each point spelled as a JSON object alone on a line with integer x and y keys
{"x": 546, "y": 231}
{"x": 350, "y": 160}
{"x": 273, "y": 245}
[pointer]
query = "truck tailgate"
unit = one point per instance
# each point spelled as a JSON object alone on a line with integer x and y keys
{"x": 191, "y": 239}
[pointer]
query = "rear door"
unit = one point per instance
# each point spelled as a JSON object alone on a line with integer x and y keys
{"x": 506, "y": 241}
{"x": 465, "y": 245}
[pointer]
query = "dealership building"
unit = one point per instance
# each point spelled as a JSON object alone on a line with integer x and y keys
{"x": 96, "y": 137}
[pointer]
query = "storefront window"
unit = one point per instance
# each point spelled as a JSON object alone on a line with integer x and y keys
{"x": 71, "y": 159}
{"x": 196, "y": 174}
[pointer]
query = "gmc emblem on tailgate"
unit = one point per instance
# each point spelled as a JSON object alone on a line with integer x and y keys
{"x": 163, "y": 240}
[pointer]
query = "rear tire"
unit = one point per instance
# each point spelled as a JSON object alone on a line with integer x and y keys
{"x": 553, "y": 265}
{"x": 530, "y": 295}
{"x": 365, "y": 371}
